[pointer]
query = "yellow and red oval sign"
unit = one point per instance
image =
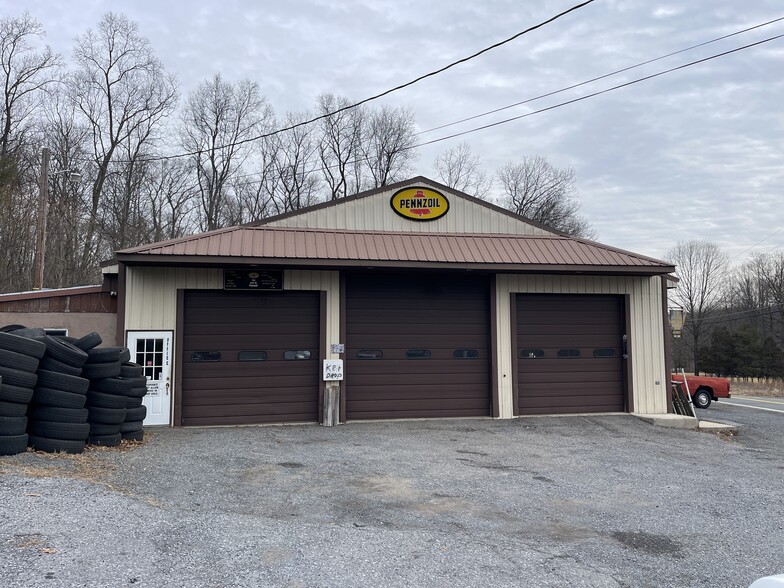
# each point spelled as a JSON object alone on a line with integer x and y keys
{"x": 419, "y": 204}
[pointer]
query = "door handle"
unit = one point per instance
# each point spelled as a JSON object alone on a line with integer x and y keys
{"x": 625, "y": 346}
{"x": 167, "y": 388}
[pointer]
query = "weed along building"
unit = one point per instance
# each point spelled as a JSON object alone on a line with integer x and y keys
{"x": 437, "y": 305}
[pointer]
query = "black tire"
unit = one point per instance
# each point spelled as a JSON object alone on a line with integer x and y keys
{"x": 106, "y": 440}
{"x": 9, "y": 328}
{"x": 129, "y": 426}
{"x": 13, "y": 444}
{"x": 119, "y": 386}
{"x": 64, "y": 382}
{"x": 13, "y": 426}
{"x": 107, "y": 416}
{"x": 19, "y": 378}
{"x": 133, "y": 436}
{"x": 9, "y": 393}
{"x": 138, "y": 382}
{"x": 55, "y": 430}
{"x": 54, "y": 413}
{"x": 125, "y": 355}
{"x": 65, "y": 338}
{"x": 64, "y": 351}
{"x": 89, "y": 341}
{"x": 97, "y": 429}
{"x": 137, "y": 392}
{"x": 31, "y": 333}
{"x": 104, "y": 354}
{"x": 18, "y": 361}
{"x": 12, "y": 409}
{"x": 136, "y": 414}
{"x": 52, "y": 365}
{"x": 103, "y": 400}
{"x": 99, "y": 371}
{"x": 702, "y": 398}
{"x": 55, "y": 445}
{"x": 58, "y": 398}
{"x": 133, "y": 401}
{"x": 131, "y": 370}
{"x": 22, "y": 345}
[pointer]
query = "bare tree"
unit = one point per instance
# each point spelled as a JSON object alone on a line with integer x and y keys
{"x": 25, "y": 72}
{"x": 460, "y": 169}
{"x": 171, "y": 199}
{"x": 701, "y": 268}
{"x": 121, "y": 89}
{"x": 388, "y": 145}
{"x": 339, "y": 144}
{"x": 536, "y": 189}
{"x": 220, "y": 123}
{"x": 291, "y": 155}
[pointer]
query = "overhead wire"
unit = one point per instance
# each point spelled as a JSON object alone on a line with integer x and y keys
{"x": 385, "y": 92}
{"x": 602, "y": 77}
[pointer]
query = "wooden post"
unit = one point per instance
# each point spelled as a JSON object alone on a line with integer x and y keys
{"x": 331, "y": 404}
{"x": 40, "y": 226}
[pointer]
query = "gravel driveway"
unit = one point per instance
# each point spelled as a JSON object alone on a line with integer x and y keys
{"x": 566, "y": 501}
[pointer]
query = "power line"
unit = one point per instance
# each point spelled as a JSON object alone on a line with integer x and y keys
{"x": 758, "y": 242}
{"x": 600, "y": 92}
{"x": 616, "y": 72}
{"x": 525, "y": 115}
{"x": 385, "y": 92}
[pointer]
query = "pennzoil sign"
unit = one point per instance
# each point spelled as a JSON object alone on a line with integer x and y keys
{"x": 419, "y": 204}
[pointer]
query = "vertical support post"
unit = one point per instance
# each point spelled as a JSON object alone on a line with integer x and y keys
{"x": 40, "y": 226}
{"x": 331, "y": 414}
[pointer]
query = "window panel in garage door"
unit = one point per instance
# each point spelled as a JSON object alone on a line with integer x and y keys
{"x": 237, "y": 351}
{"x": 417, "y": 346}
{"x": 569, "y": 354}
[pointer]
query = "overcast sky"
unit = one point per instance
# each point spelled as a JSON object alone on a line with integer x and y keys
{"x": 698, "y": 153}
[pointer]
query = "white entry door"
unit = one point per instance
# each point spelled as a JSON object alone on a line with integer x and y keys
{"x": 153, "y": 351}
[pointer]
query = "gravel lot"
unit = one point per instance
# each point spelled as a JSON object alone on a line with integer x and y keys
{"x": 566, "y": 501}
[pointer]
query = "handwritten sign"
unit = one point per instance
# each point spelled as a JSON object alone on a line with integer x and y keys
{"x": 333, "y": 370}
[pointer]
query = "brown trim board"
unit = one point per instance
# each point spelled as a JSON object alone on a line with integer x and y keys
{"x": 667, "y": 333}
{"x": 513, "y": 331}
{"x": 343, "y": 331}
{"x": 495, "y": 399}
{"x": 627, "y": 364}
{"x": 323, "y": 350}
{"x": 178, "y": 338}
{"x": 121, "y": 297}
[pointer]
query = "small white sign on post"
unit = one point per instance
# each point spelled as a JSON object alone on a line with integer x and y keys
{"x": 338, "y": 348}
{"x": 333, "y": 370}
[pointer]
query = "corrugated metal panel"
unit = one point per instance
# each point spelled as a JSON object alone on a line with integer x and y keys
{"x": 322, "y": 245}
{"x": 646, "y": 337}
{"x": 373, "y": 213}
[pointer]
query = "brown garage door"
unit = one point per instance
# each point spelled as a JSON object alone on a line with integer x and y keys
{"x": 417, "y": 346}
{"x": 250, "y": 357}
{"x": 569, "y": 354}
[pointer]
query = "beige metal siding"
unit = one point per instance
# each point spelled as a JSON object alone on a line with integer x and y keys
{"x": 151, "y": 295}
{"x": 373, "y": 213}
{"x": 645, "y": 340}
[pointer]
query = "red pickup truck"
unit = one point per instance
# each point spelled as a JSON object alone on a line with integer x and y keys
{"x": 703, "y": 389}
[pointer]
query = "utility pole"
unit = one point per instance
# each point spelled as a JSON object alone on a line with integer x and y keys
{"x": 40, "y": 226}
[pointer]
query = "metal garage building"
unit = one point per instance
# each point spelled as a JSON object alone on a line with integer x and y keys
{"x": 444, "y": 305}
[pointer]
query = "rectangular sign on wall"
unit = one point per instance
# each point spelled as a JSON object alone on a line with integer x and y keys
{"x": 252, "y": 279}
{"x": 333, "y": 370}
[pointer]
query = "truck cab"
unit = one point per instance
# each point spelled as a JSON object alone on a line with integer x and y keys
{"x": 704, "y": 389}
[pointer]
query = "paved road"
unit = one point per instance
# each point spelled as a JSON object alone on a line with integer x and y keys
{"x": 605, "y": 501}
{"x": 757, "y": 403}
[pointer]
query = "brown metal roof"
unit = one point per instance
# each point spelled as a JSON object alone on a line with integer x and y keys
{"x": 325, "y": 248}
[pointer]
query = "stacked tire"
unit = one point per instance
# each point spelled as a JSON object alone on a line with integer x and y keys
{"x": 135, "y": 412}
{"x": 57, "y": 419}
{"x": 19, "y": 359}
{"x": 108, "y": 393}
